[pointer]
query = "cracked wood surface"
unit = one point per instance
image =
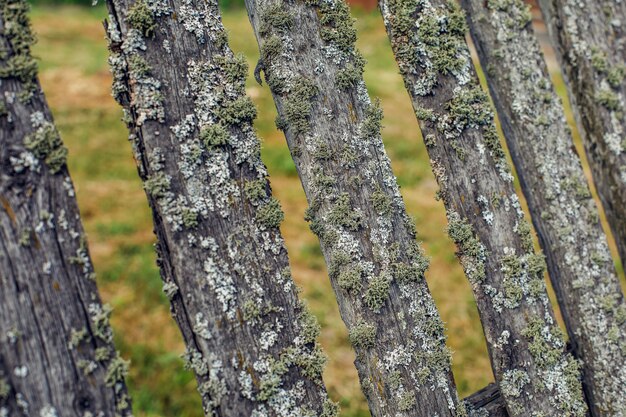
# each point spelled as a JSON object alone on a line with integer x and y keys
{"x": 563, "y": 211}
{"x": 250, "y": 342}
{"x": 57, "y": 356}
{"x": 534, "y": 373}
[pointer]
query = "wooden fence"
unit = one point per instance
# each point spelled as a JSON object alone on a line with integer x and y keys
{"x": 251, "y": 342}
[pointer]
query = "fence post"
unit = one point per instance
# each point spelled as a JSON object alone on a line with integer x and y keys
{"x": 527, "y": 351}
{"x": 564, "y": 213}
{"x": 56, "y": 347}
{"x": 250, "y": 342}
{"x": 591, "y": 46}
{"x": 355, "y": 208}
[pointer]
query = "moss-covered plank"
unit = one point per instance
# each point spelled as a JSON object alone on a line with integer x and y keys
{"x": 355, "y": 207}
{"x": 590, "y": 42}
{"x": 565, "y": 215}
{"x": 57, "y": 356}
{"x": 250, "y": 342}
{"x": 534, "y": 373}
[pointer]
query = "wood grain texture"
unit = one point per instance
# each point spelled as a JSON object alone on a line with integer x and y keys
{"x": 564, "y": 213}
{"x": 56, "y": 347}
{"x": 590, "y": 41}
{"x": 534, "y": 373}
{"x": 375, "y": 265}
{"x": 486, "y": 402}
{"x": 250, "y": 341}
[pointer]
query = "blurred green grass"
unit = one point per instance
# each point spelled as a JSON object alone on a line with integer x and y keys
{"x": 74, "y": 73}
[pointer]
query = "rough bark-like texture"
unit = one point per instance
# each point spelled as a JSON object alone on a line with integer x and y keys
{"x": 535, "y": 375}
{"x": 486, "y": 403}
{"x": 250, "y": 342}
{"x": 375, "y": 265}
{"x": 563, "y": 211}
{"x": 590, "y": 39}
{"x": 56, "y": 347}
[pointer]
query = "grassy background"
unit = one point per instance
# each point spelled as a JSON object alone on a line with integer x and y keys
{"x": 75, "y": 77}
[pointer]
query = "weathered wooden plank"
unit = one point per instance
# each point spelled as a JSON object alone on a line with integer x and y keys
{"x": 486, "y": 402}
{"x": 590, "y": 42}
{"x": 56, "y": 347}
{"x": 250, "y": 342}
{"x": 535, "y": 375}
{"x": 564, "y": 213}
{"x": 368, "y": 240}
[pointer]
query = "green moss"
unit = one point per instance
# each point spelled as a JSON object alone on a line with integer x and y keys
{"x": 536, "y": 264}
{"x": 272, "y": 380}
{"x": 337, "y": 25}
{"x": 87, "y": 366}
{"x": 377, "y": 292}
{"x": 214, "y": 135}
{"x": 437, "y": 360}
{"x": 543, "y": 352}
{"x": 16, "y": 26}
{"x": 190, "y": 217}
{"x": 255, "y": 190}
{"x": 458, "y": 149}
{"x": 322, "y": 151}
{"x": 362, "y": 335}
{"x": 599, "y": 61}
{"x": 422, "y": 113}
{"x": 238, "y": 111}
{"x": 116, "y": 371}
{"x": 25, "y": 237}
{"x": 157, "y": 185}
{"x": 236, "y": 69}
{"x": 414, "y": 272}
{"x": 297, "y": 105}
{"x": 349, "y": 76}
{"x": 323, "y": 182}
{"x": 281, "y": 124}
{"x": 250, "y": 310}
{"x": 372, "y": 123}
{"x": 524, "y": 231}
{"x": 615, "y": 76}
{"x": 22, "y": 67}
{"x": 381, "y": 202}
{"x": 330, "y": 409}
{"x": 309, "y": 327}
{"x": 102, "y": 354}
{"x": 45, "y": 143}
{"x": 77, "y": 337}
{"x": 407, "y": 401}
{"x": 608, "y": 99}
{"x": 138, "y": 66}
{"x": 270, "y": 214}
{"x": 343, "y": 214}
{"x": 275, "y": 17}
{"x": 5, "y": 389}
{"x": 271, "y": 48}
{"x": 18, "y": 34}
{"x": 513, "y": 383}
{"x": 444, "y": 38}
{"x": 350, "y": 279}
{"x": 141, "y": 18}
{"x": 461, "y": 233}
{"x": 620, "y": 315}
{"x": 471, "y": 107}
{"x": 338, "y": 260}
{"x": 312, "y": 364}
{"x": 511, "y": 266}
{"x": 492, "y": 141}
